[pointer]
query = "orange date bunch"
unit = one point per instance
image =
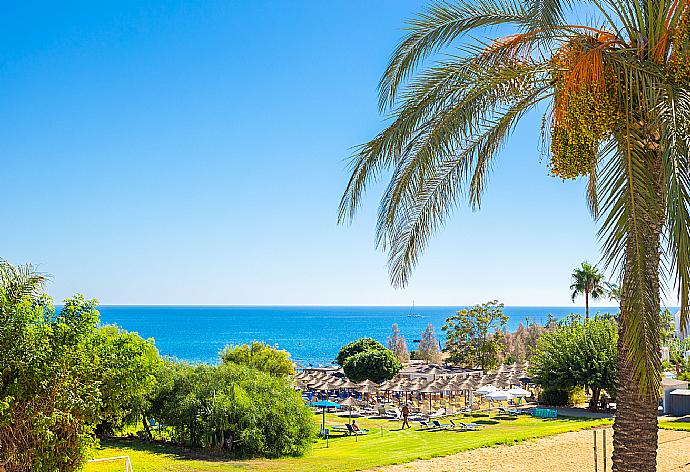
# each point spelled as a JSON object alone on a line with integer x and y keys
{"x": 584, "y": 106}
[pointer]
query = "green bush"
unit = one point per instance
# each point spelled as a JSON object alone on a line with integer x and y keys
{"x": 355, "y": 347}
{"x": 126, "y": 367}
{"x": 260, "y": 356}
{"x": 232, "y": 408}
{"x": 60, "y": 375}
{"x": 49, "y": 400}
{"x": 563, "y": 397}
{"x": 372, "y": 365}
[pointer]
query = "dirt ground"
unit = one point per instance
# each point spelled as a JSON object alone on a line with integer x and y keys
{"x": 568, "y": 452}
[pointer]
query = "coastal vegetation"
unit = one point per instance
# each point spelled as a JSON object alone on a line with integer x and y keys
{"x": 232, "y": 408}
{"x": 577, "y": 355}
{"x": 588, "y": 281}
{"x": 260, "y": 356}
{"x": 617, "y": 101}
{"x": 65, "y": 380}
{"x": 428, "y": 349}
{"x": 398, "y": 345}
{"x": 474, "y": 337}
{"x": 366, "y": 359}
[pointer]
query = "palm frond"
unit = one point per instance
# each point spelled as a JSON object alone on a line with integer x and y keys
{"x": 675, "y": 112}
{"x": 437, "y": 27}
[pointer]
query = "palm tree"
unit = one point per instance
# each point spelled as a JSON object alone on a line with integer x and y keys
{"x": 589, "y": 282}
{"x": 617, "y": 113}
{"x": 18, "y": 282}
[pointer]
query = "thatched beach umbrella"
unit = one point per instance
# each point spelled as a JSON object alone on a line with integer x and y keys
{"x": 349, "y": 384}
{"x": 350, "y": 402}
{"x": 429, "y": 390}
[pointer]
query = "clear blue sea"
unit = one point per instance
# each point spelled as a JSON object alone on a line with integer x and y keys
{"x": 312, "y": 334}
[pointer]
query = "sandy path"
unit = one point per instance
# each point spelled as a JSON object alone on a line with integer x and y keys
{"x": 568, "y": 452}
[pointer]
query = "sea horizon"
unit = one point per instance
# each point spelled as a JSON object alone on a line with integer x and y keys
{"x": 312, "y": 334}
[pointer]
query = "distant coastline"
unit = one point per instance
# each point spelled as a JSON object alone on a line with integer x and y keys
{"x": 312, "y": 334}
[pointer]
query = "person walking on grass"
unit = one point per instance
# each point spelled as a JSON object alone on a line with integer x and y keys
{"x": 405, "y": 415}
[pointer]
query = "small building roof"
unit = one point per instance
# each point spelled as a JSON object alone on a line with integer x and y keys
{"x": 681, "y": 391}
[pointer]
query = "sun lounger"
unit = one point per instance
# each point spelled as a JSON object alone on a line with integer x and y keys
{"x": 470, "y": 426}
{"x": 440, "y": 425}
{"x": 356, "y": 432}
{"x": 509, "y": 411}
{"x": 423, "y": 425}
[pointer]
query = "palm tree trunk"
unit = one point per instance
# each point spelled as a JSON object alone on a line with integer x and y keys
{"x": 586, "y": 305}
{"x": 635, "y": 438}
{"x": 635, "y": 427}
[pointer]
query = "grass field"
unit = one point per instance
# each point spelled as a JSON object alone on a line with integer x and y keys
{"x": 385, "y": 444}
{"x": 677, "y": 424}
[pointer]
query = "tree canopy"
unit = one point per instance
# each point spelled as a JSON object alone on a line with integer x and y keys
{"x": 375, "y": 365}
{"x": 474, "y": 337}
{"x": 577, "y": 354}
{"x": 260, "y": 356}
{"x": 355, "y": 347}
{"x": 588, "y": 281}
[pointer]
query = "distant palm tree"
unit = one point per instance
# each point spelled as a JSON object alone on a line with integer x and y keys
{"x": 617, "y": 97}
{"x": 588, "y": 281}
{"x": 17, "y": 282}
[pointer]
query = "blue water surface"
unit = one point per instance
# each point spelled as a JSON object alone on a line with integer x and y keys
{"x": 312, "y": 334}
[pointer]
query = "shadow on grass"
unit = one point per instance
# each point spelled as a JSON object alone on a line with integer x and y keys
{"x": 177, "y": 452}
{"x": 487, "y": 422}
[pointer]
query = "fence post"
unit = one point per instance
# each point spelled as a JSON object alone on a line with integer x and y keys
{"x": 605, "y": 458}
{"x": 595, "y": 450}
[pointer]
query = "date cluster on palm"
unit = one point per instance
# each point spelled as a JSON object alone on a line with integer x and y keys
{"x": 584, "y": 106}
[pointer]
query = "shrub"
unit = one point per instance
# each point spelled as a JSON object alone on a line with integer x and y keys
{"x": 49, "y": 399}
{"x": 126, "y": 366}
{"x": 577, "y": 354}
{"x": 232, "y": 407}
{"x": 261, "y": 356}
{"x": 355, "y": 347}
{"x": 563, "y": 397}
{"x": 376, "y": 365}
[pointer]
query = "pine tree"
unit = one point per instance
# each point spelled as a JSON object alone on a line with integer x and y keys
{"x": 397, "y": 344}
{"x": 428, "y": 346}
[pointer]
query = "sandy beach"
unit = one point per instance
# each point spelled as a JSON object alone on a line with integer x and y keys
{"x": 568, "y": 452}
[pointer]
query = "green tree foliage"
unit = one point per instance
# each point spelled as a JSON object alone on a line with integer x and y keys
{"x": 474, "y": 337}
{"x": 260, "y": 356}
{"x": 577, "y": 354}
{"x": 398, "y": 344}
{"x": 126, "y": 375}
{"x": 232, "y": 408}
{"x": 375, "y": 364}
{"x": 355, "y": 347}
{"x": 60, "y": 375}
{"x": 49, "y": 399}
{"x": 588, "y": 281}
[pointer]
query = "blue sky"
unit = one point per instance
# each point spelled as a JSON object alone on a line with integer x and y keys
{"x": 195, "y": 152}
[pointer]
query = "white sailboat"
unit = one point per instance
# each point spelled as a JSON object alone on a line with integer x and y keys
{"x": 412, "y": 313}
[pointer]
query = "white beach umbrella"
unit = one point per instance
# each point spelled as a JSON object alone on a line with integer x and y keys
{"x": 486, "y": 389}
{"x": 519, "y": 392}
{"x": 499, "y": 395}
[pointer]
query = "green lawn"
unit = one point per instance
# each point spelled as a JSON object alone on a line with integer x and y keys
{"x": 385, "y": 444}
{"x": 677, "y": 424}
